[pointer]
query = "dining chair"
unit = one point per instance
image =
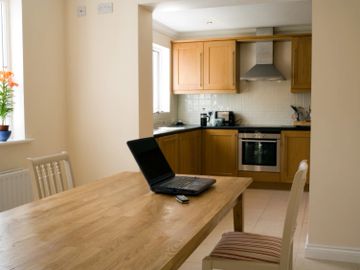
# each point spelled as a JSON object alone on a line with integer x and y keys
{"x": 51, "y": 174}
{"x": 240, "y": 250}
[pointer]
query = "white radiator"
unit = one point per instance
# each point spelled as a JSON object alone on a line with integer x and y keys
{"x": 15, "y": 188}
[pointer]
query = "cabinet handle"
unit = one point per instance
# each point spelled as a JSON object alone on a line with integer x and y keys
{"x": 201, "y": 73}
{"x": 234, "y": 67}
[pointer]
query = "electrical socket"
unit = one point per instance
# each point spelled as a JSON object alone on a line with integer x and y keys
{"x": 104, "y": 8}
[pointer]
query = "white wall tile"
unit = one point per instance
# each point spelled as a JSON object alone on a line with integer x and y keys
{"x": 262, "y": 103}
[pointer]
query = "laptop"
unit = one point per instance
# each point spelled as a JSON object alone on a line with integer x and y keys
{"x": 158, "y": 172}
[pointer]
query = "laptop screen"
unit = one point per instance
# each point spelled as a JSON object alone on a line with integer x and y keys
{"x": 150, "y": 159}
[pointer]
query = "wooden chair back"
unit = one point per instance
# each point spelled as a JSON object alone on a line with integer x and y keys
{"x": 51, "y": 174}
{"x": 296, "y": 193}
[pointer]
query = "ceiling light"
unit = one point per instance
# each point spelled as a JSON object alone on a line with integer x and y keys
{"x": 209, "y": 22}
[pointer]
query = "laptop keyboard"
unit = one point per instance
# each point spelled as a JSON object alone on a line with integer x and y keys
{"x": 176, "y": 183}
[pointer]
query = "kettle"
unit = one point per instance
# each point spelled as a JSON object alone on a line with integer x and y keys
{"x": 204, "y": 118}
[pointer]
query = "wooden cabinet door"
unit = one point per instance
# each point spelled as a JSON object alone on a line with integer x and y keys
{"x": 189, "y": 152}
{"x": 220, "y": 65}
{"x": 169, "y": 147}
{"x": 295, "y": 146}
{"x": 301, "y": 64}
{"x": 187, "y": 66}
{"x": 220, "y": 152}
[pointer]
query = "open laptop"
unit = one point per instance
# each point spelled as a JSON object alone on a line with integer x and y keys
{"x": 158, "y": 173}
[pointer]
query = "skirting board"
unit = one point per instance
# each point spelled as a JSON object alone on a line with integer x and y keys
{"x": 331, "y": 253}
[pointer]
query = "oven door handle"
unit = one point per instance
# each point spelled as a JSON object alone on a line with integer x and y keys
{"x": 270, "y": 141}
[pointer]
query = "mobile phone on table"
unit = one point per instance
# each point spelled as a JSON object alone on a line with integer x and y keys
{"x": 182, "y": 199}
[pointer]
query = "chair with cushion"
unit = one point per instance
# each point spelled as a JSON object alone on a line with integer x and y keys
{"x": 51, "y": 174}
{"x": 240, "y": 250}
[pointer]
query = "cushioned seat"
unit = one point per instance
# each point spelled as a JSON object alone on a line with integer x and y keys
{"x": 248, "y": 247}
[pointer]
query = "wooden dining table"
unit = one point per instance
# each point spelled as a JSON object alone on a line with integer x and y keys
{"x": 115, "y": 223}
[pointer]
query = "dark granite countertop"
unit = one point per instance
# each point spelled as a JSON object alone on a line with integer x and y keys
{"x": 241, "y": 128}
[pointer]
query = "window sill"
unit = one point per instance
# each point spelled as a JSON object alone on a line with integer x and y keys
{"x": 16, "y": 141}
{"x": 157, "y": 113}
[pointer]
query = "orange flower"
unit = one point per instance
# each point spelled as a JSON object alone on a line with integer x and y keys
{"x": 6, "y": 78}
{"x": 6, "y": 90}
{"x": 11, "y": 83}
{"x": 8, "y": 74}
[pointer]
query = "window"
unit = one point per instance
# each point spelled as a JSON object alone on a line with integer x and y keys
{"x": 11, "y": 58}
{"x": 4, "y": 40}
{"x": 161, "y": 79}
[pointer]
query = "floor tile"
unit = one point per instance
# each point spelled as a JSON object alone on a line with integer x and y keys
{"x": 307, "y": 264}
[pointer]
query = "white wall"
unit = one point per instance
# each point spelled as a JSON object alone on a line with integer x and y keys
{"x": 257, "y": 103}
{"x": 81, "y": 84}
{"x": 44, "y": 82}
{"x": 103, "y": 87}
{"x": 145, "y": 73}
{"x": 335, "y": 145}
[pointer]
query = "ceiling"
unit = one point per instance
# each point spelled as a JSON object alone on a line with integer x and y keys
{"x": 187, "y": 16}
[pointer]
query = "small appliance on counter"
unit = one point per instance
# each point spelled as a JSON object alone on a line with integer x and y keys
{"x": 227, "y": 116}
{"x": 301, "y": 117}
{"x": 204, "y": 118}
{"x": 179, "y": 123}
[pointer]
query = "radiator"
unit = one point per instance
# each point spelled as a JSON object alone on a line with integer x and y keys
{"x": 15, "y": 188}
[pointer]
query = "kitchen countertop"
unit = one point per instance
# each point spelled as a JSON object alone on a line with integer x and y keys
{"x": 158, "y": 132}
{"x": 241, "y": 128}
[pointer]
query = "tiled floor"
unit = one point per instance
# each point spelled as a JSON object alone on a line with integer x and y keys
{"x": 264, "y": 214}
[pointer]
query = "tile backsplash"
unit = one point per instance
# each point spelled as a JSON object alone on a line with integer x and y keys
{"x": 258, "y": 103}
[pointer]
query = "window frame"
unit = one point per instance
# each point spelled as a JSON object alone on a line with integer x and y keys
{"x": 5, "y": 34}
{"x": 13, "y": 36}
{"x": 161, "y": 95}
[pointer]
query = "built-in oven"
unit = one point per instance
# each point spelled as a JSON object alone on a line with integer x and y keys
{"x": 259, "y": 152}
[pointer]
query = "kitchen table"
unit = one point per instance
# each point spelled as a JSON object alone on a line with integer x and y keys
{"x": 115, "y": 223}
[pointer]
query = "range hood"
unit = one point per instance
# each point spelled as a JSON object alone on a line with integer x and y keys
{"x": 264, "y": 69}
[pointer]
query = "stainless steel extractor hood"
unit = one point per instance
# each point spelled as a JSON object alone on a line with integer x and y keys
{"x": 264, "y": 69}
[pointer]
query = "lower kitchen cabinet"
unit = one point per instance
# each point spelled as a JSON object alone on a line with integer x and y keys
{"x": 182, "y": 151}
{"x": 295, "y": 146}
{"x": 169, "y": 147}
{"x": 189, "y": 152}
{"x": 220, "y": 152}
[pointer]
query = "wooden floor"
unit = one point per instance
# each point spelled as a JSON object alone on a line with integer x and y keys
{"x": 264, "y": 213}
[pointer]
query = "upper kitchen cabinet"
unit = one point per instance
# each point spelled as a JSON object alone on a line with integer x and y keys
{"x": 220, "y": 65}
{"x": 301, "y": 64}
{"x": 187, "y": 67}
{"x": 204, "y": 67}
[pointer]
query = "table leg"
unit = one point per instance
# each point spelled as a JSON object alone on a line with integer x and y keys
{"x": 239, "y": 215}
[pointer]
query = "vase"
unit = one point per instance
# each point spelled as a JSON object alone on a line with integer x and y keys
{"x": 4, "y": 127}
{"x": 4, "y": 135}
